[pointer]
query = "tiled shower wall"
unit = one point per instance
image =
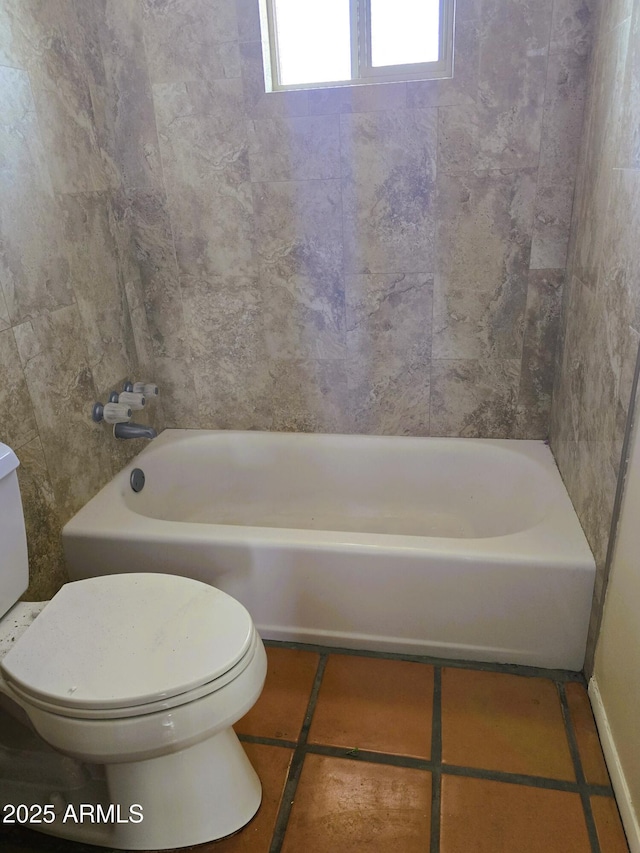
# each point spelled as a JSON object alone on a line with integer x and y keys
{"x": 72, "y": 321}
{"x": 601, "y": 318}
{"x": 383, "y": 259}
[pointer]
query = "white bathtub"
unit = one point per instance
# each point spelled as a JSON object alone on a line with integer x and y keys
{"x": 458, "y": 548}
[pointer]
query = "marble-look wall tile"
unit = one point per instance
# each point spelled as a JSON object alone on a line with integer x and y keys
{"x": 551, "y": 226}
{"x": 593, "y": 495}
{"x": 521, "y": 40}
{"x": 155, "y": 254}
{"x": 61, "y": 386}
{"x": 388, "y": 190}
{"x": 140, "y": 327}
{"x": 84, "y": 22}
{"x": 458, "y": 132}
{"x": 468, "y": 10}
{"x": 120, "y": 220}
{"x": 542, "y": 319}
{"x": 591, "y": 374}
{"x": 500, "y": 126}
{"x": 473, "y": 138}
{"x": 389, "y": 399}
{"x": 232, "y": 398}
{"x": 294, "y": 149}
{"x": 474, "y": 398}
{"x": 483, "y": 251}
{"x": 12, "y": 47}
{"x": 46, "y": 561}
{"x": 61, "y": 87}
{"x": 561, "y": 133}
{"x": 224, "y": 316}
{"x": 232, "y": 381}
{"x": 573, "y": 24}
{"x": 204, "y": 146}
{"x": 603, "y": 113}
{"x": 30, "y": 28}
{"x": 128, "y": 111}
{"x": 357, "y": 99}
{"x": 175, "y": 376}
{"x": 563, "y": 117}
{"x": 90, "y": 239}
{"x": 581, "y": 322}
{"x": 304, "y": 315}
{"x": 104, "y": 105}
{"x": 299, "y": 227}
{"x": 389, "y": 352}
{"x": 310, "y": 396}
{"x": 299, "y": 245}
{"x": 34, "y": 270}
{"x": 248, "y": 17}
{"x": 191, "y": 40}
{"x": 21, "y": 150}
{"x": 5, "y": 322}
{"x": 619, "y": 281}
{"x": 16, "y": 411}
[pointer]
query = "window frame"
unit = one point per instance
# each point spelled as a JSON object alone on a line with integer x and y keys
{"x": 362, "y": 71}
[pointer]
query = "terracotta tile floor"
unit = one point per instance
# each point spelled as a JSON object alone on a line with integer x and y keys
{"x": 364, "y": 753}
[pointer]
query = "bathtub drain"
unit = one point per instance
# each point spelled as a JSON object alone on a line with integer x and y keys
{"x": 137, "y": 479}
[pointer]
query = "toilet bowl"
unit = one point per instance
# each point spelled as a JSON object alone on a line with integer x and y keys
{"x": 133, "y": 683}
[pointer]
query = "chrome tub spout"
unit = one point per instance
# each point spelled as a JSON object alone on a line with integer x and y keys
{"x": 129, "y": 430}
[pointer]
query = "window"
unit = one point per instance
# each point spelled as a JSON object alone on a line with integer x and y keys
{"x": 316, "y": 43}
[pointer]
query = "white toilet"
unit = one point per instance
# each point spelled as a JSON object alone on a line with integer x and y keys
{"x": 133, "y": 683}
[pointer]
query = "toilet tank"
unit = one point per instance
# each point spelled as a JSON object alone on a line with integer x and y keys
{"x": 14, "y": 564}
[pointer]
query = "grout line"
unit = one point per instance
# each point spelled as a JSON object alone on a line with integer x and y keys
{"x": 297, "y": 761}
{"x": 313, "y": 698}
{"x": 512, "y": 778}
{"x": 267, "y": 741}
{"x": 600, "y": 791}
{"x": 583, "y": 788}
{"x": 558, "y": 675}
{"x": 436, "y": 758}
{"x": 370, "y": 757}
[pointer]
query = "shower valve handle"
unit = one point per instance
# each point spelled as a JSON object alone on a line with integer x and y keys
{"x": 112, "y": 413}
{"x": 135, "y": 401}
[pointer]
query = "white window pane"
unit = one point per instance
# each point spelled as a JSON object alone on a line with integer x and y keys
{"x": 404, "y": 31}
{"x": 314, "y": 40}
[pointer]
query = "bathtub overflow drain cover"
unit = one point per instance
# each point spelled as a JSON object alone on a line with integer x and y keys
{"x": 137, "y": 479}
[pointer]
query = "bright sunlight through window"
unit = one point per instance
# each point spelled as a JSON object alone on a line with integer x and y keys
{"x": 315, "y": 43}
{"x": 404, "y": 32}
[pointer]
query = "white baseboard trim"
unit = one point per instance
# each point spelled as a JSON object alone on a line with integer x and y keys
{"x": 620, "y": 787}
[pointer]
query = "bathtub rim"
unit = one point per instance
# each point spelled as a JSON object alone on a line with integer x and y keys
{"x": 557, "y": 536}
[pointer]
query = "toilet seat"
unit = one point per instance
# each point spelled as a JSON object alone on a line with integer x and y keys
{"x": 115, "y": 714}
{"x": 126, "y": 645}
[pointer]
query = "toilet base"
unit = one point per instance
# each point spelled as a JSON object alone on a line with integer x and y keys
{"x": 202, "y": 793}
{"x": 199, "y": 794}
